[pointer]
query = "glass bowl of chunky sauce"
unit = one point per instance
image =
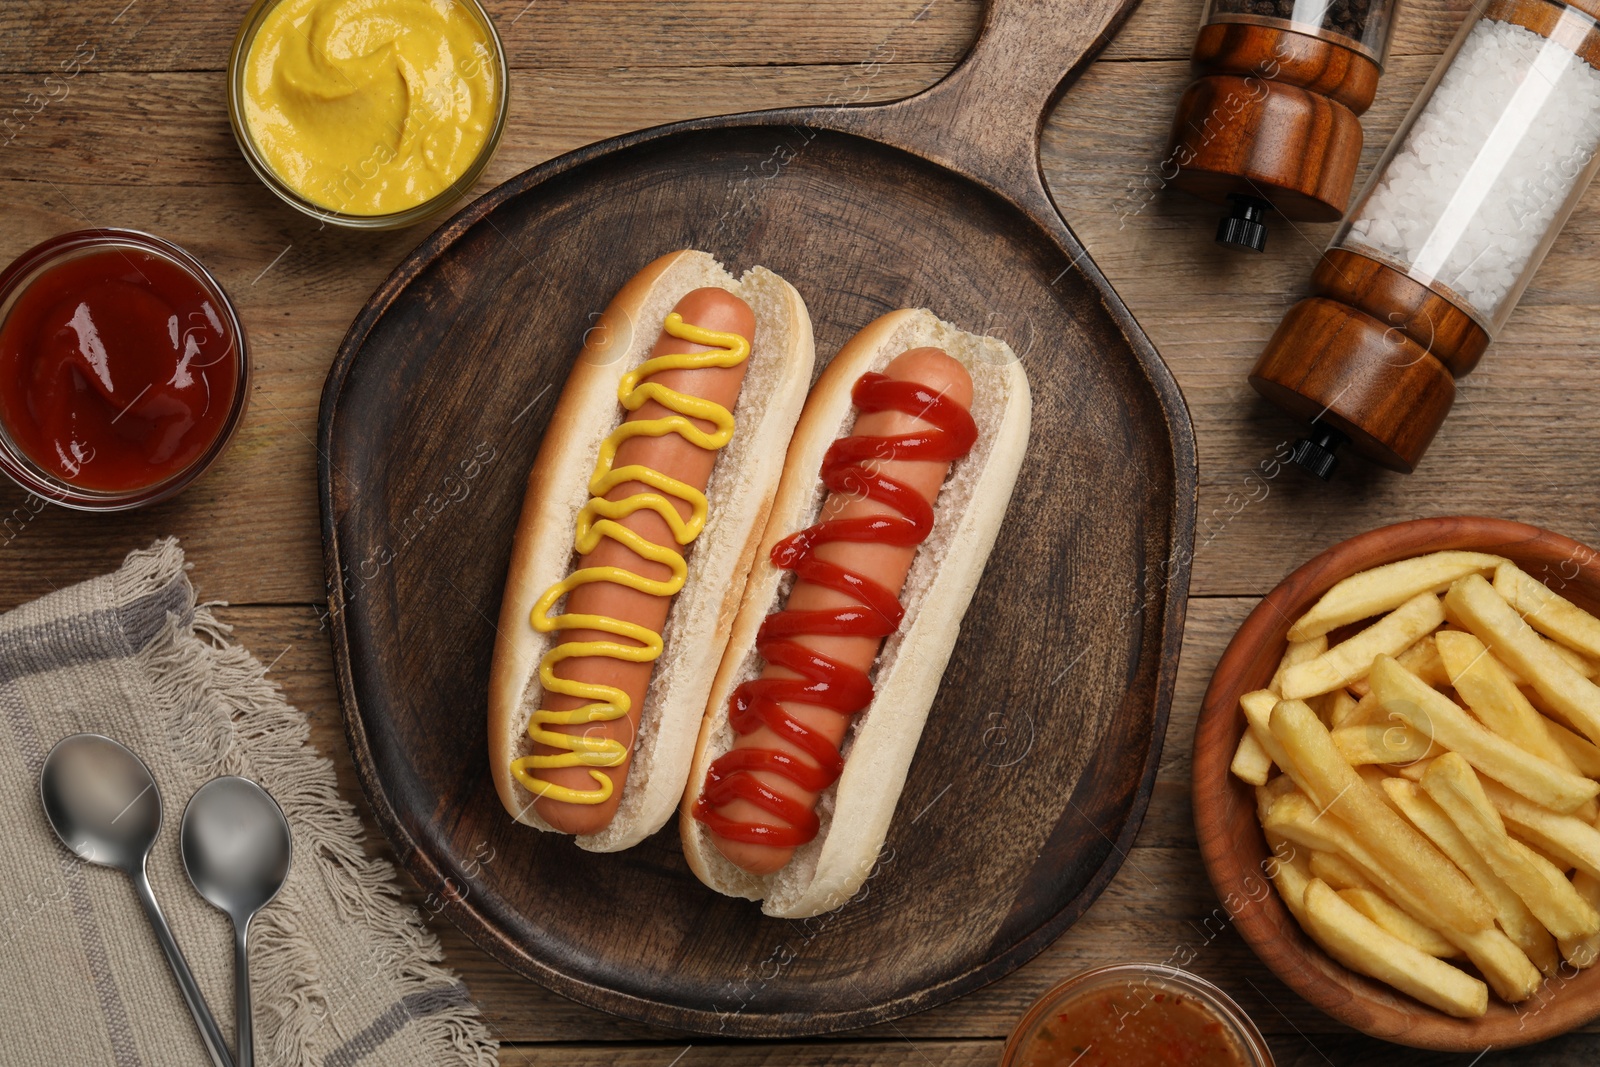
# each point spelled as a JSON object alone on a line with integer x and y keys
{"x": 368, "y": 114}
{"x": 1136, "y": 1015}
{"x": 123, "y": 370}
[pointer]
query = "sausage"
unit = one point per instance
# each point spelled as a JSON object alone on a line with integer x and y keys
{"x": 888, "y": 564}
{"x": 713, "y": 309}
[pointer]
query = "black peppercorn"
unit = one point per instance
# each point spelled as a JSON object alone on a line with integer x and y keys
{"x": 1348, "y": 18}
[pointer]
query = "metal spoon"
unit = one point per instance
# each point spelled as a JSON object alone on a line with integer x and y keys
{"x": 104, "y": 805}
{"x": 236, "y": 848}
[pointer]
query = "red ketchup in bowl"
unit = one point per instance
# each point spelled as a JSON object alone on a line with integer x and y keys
{"x": 120, "y": 366}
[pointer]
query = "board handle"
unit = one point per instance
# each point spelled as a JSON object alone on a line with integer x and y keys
{"x": 984, "y": 118}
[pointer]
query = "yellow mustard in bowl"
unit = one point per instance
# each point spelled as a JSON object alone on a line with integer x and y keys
{"x": 370, "y": 107}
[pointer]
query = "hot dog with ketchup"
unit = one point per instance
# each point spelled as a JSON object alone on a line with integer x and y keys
{"x": 849, "y": 567}
{"x": 643, "y": 507}
{"x": 917, "y": 431}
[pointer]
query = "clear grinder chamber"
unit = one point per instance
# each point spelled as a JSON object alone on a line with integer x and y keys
{"x": 1456, "y": 218}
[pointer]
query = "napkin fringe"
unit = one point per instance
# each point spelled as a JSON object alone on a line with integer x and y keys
{"x": 219, "y": 705}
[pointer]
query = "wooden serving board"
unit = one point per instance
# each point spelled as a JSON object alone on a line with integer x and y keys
{"x": 1040, "y": 751}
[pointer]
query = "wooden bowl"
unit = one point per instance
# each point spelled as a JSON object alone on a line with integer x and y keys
{"x": 1234, "y": 849}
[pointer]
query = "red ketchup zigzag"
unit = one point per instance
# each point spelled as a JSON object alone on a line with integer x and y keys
{"x": 851, "y": 467}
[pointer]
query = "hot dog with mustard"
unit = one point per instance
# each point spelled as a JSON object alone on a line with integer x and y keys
{"x": 642, "y": 512}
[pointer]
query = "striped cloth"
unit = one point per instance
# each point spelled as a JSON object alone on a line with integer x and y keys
{"x": 344, "y": 972}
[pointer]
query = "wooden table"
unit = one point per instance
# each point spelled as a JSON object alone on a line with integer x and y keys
{"x": 140, "y": 139}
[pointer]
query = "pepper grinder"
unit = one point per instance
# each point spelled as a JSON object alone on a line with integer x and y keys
{"x": 1457, "y": 216}
{"x": 1272, "y": 122}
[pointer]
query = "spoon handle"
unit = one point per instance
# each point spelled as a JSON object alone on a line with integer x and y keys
{"x": 180, "y": 969}
{"x": 245, "y": 1045}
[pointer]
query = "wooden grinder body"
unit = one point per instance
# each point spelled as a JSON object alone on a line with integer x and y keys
{"x": 1273, "y": 116}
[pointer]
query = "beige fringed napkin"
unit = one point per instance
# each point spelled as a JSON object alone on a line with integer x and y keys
{"x": 344, "y": 972}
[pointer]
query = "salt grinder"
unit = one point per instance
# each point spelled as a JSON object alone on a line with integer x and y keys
{"x": 1272, "y": 122}
{"x": 1459, "y": 212}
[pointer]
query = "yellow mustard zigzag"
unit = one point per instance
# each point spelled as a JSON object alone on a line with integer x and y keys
{"x": 600, "y": 518}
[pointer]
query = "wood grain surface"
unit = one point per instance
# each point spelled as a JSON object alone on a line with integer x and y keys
{"x": 142, "y": 140}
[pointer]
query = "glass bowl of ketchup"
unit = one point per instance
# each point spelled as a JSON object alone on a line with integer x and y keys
{"x": 123, "y": 370}
{"x": 1136, "y": 1015}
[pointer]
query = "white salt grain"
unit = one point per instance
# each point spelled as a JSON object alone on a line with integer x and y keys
{"x": 1487, "y": 165}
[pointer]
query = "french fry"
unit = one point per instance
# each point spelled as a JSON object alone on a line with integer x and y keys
{"x": 1434, "y": 715}
{"x": 1374, "y": 777}
{"x": 1342, "y": 709}
{"x": 1526, "y": 841}
{"x": 1584, "y": 951}
{"x": 1421, "y": 659}
{"x": 1571, "y": 840}
{"x": 1585, "y": 667}
{"x": 1584, "y": 754}
{"x": 1364, "y": 745}
{"x": 1511, "y": 913}
{"x": 1362, "y": 945}
{"x": 1548, "y": 856}
{"x": 1414, "y": 771}
{"x": 1339, "y": 872}
{"x": 1291, "y": 876}
{"x": 1267, "y": 795}
{"x": 1376, "y": 906}
{"x": 1257, "y": 707}
{"x": 1296, "y": 819}
{"x": 1333, "y": 786}
{"x": 1548, "y": 611}
{"x": 1297, "y": 653}
{"x": 1482, "y": 682}
{"x": 1454, "y": 786}
{"x": 1350, "y": 660}
{"x": 1498, "y": 625}
{"x": 1373, "y": 592}
{"x": 1511, "y": 672}
{"x": 1454, "y": 624}
{"x": 1508, "y": 970}
{"x": 1366, "y": 713}
{"x": 1250, "y": 761}
{"x": 1553, "y": 873}
{"x": 1283, "y": 851}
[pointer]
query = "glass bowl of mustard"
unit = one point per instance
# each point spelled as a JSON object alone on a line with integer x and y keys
{"x": 1136, "y": 1015}
{"x": 372, "y": 116}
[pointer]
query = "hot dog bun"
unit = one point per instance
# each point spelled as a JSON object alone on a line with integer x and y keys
{"x": 741, "y": 491}
{"x": 856, "y": 811}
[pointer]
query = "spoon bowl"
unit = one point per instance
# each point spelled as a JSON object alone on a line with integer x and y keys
{"x": 236, "y": 849}
{"x": 236, "y": 845}
{"x": 101, "y": 801}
